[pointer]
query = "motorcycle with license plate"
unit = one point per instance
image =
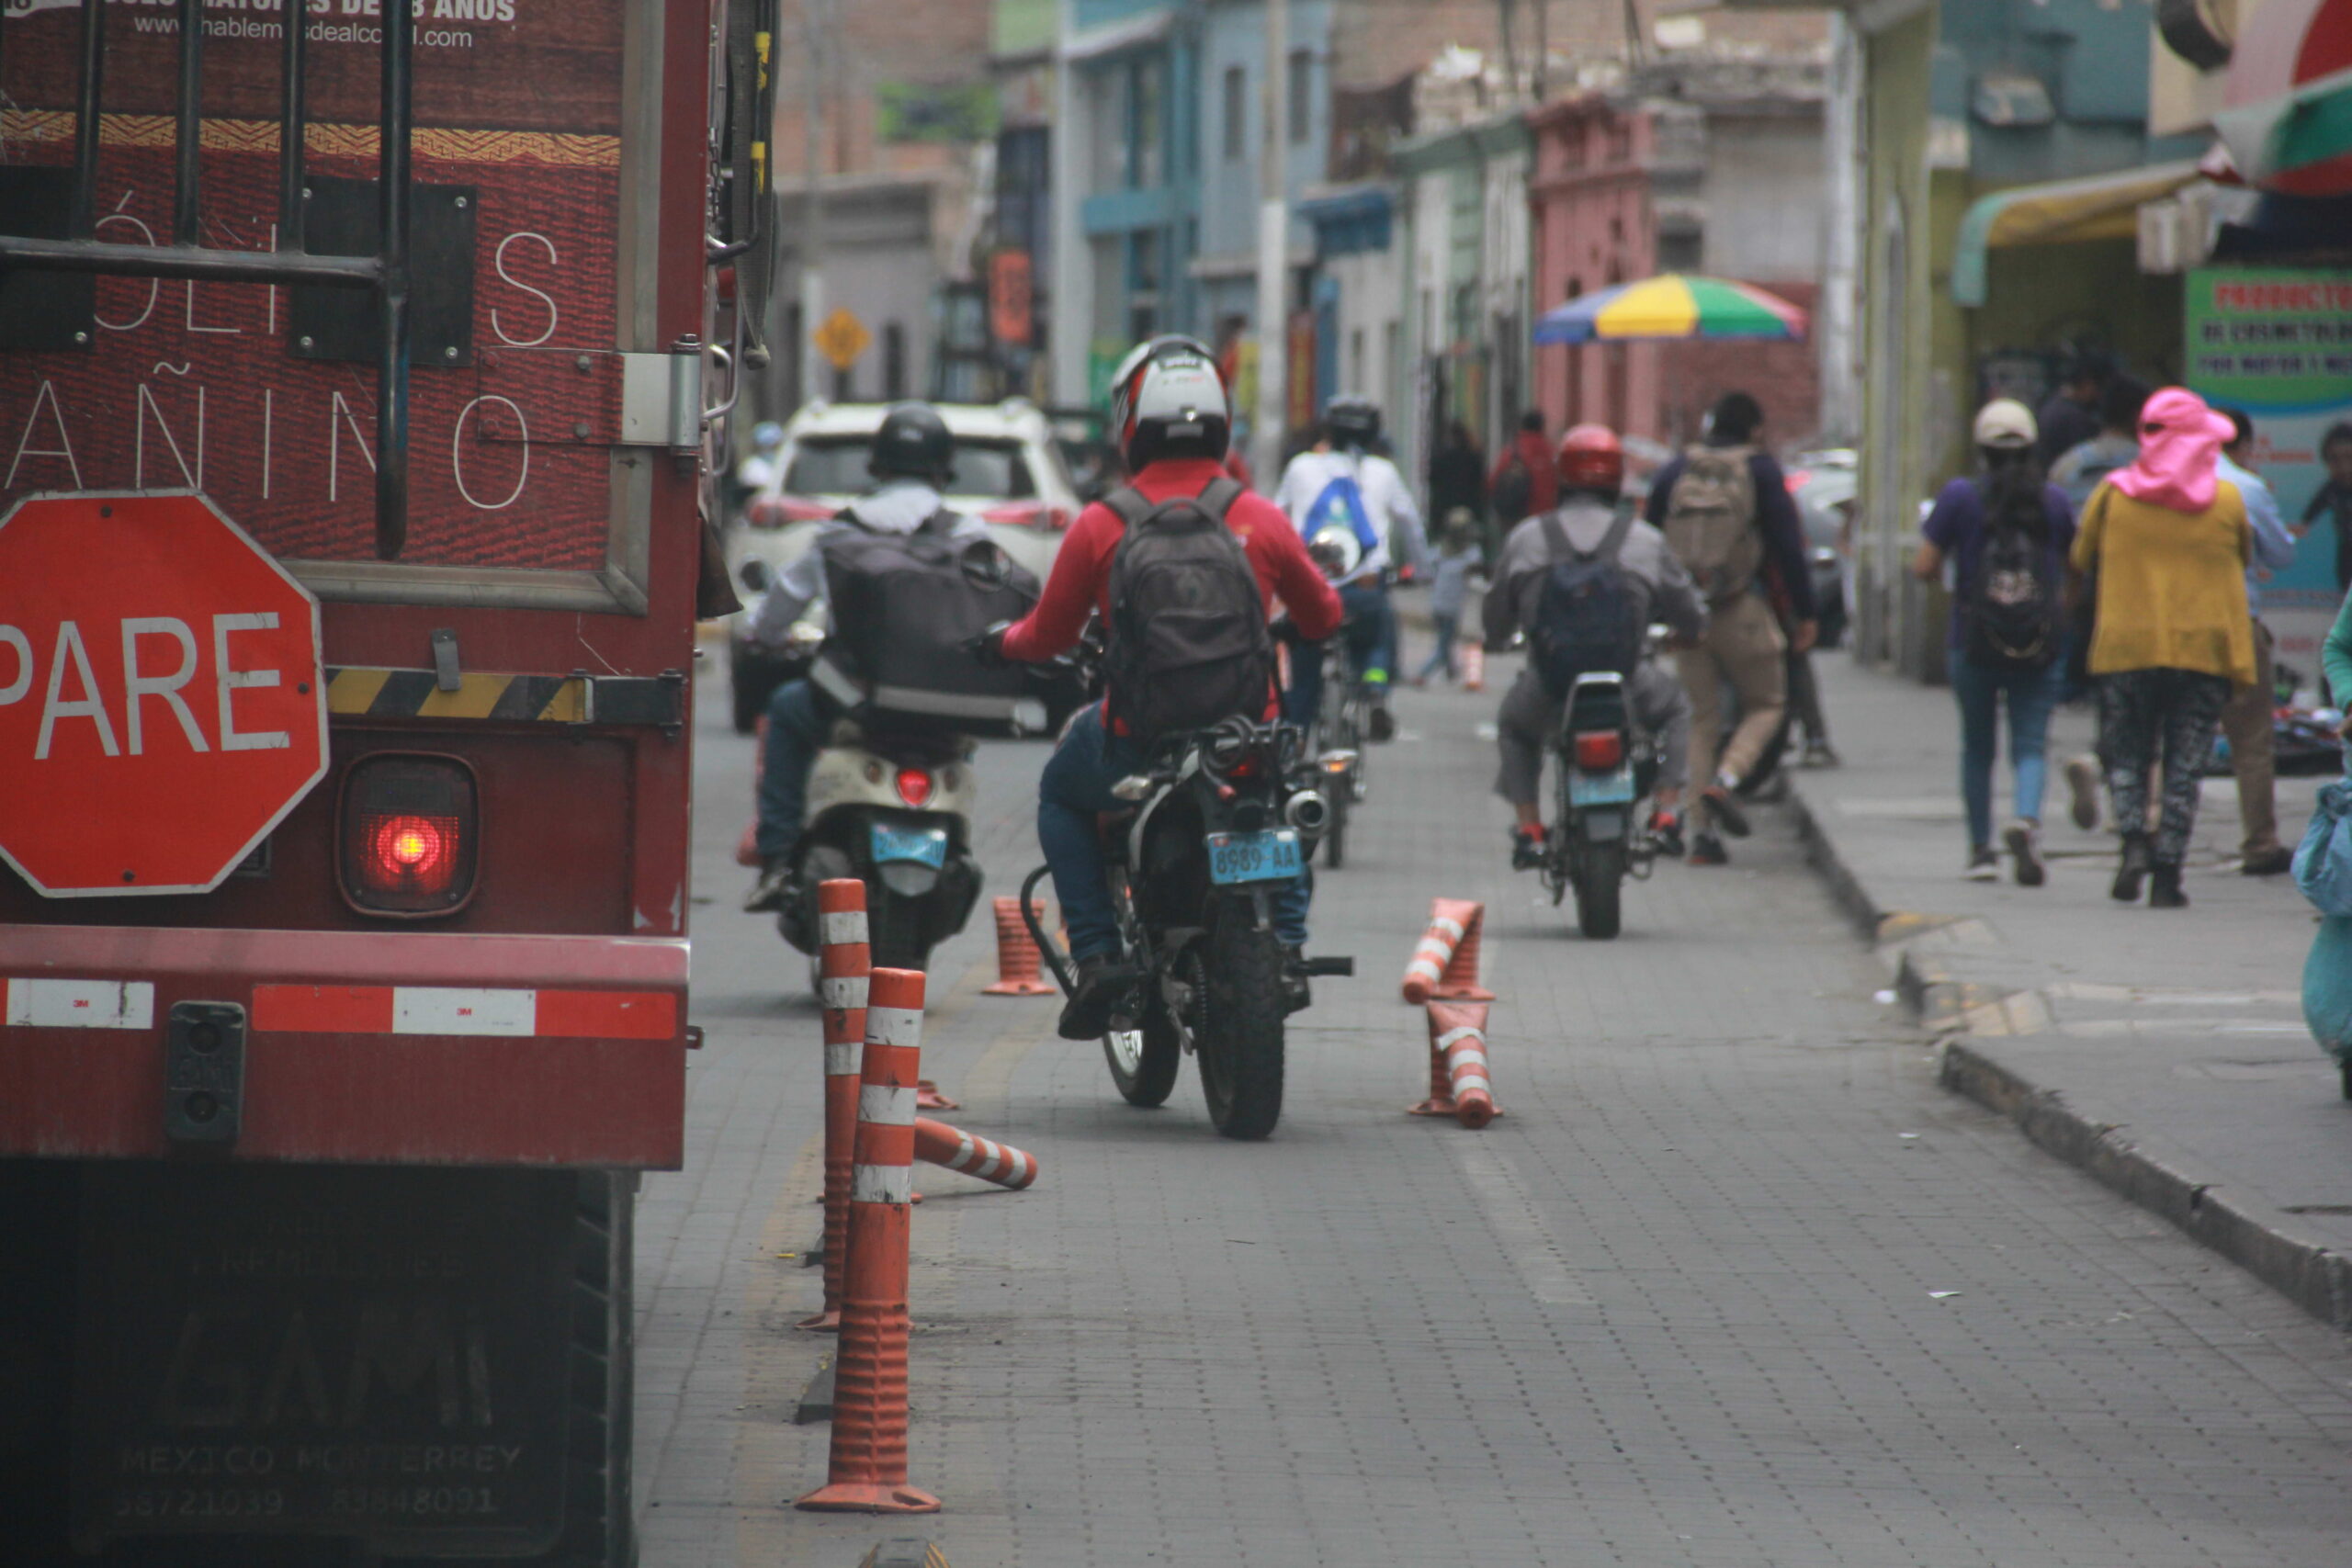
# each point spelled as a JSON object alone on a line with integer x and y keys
{"x": 1607, "y": 766}
{"x": 1214, "y": 822}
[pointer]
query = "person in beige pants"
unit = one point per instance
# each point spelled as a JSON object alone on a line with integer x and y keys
{"x": 1742, "y": 648}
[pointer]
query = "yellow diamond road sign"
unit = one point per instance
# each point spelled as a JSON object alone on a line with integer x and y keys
{"x": 842, "y": 338}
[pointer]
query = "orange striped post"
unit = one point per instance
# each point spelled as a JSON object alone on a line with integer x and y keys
{"x": 867, "y": 1470}
{"x": 1458, "y": 1038}
{"x": 939, "y": 1144}
{"x": 843, "y": 965}
{"x": 1445, "y": 963}
{"x": 1019, "y": 965}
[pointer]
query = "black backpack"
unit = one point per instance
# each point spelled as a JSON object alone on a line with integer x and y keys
{"x": 903, "y": 607}
{"x": 2013, "y": 613}
{"x": 1588, "y": 615}
{"x": 1189, "y": 644}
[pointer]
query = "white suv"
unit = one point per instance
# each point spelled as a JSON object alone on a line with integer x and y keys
{"x": 1008, "y": 473}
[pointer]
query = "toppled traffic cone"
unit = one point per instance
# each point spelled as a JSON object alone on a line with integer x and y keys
{"x": 928, "y": 1098}
{"x": 972, "y": 1154}
{"x": 1458, "y": 1038}
{"x": 844, "y": 964}
{"x": 866, "y": 1472}
{"x": 1445, "y": 962}
{"x": 1019, "y": 966}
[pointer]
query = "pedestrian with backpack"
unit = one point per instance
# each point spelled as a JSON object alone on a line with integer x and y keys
{"x": 1724, "y": 508}
{"x": 2164, "y": 544}
{"x": 1185, "y": 567}
{"x": 1344, "y": 493}
{"x": 2006, "y": 533}
{"x": 1584, "y": 583}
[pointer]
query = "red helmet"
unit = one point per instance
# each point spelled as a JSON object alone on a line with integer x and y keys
{"x": 1591, "y": 457}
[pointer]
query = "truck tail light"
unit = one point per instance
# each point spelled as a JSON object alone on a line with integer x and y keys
{"x": 1599, "y": 750}
{"x": 914, "y": 786}
{"x": 410, "y": 832}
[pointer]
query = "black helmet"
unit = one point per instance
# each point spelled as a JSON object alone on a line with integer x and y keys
{"x": 1168, "y": 400}
{"x": 913, "y": 442}
{"x": 1352, "y": 420}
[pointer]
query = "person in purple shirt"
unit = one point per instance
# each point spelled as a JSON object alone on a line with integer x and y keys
{"x": 2008, "y": 493}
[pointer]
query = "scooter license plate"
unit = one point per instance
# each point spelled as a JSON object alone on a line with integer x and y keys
{"x": 1603, "y": 789}
{"x": 924, "y": 846}
{"x": 1269, "y": 856}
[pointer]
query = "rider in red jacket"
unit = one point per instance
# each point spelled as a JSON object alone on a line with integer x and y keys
{"x": 1171, "y": 416}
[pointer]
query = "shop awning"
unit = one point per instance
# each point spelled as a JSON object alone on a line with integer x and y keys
{"x": 2099, "y": 207}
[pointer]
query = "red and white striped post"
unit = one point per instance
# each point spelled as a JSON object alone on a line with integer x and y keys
{"x": 842, "y": 966}
{"x": 1458, "y": 1037}
{"x": 868, "y": 1473}
{"x": 936, "y": 1142}
{"x": 1445, "y": 962}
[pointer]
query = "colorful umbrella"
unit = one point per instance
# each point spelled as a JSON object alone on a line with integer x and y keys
{"x": 2288, "y": 100}
{"x": 1673, "y": 305}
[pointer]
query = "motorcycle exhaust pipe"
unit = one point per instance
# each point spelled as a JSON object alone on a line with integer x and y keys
{"x": 1308, "y": 811}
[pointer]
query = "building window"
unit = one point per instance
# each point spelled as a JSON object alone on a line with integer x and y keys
{"x": 1237, "y": 110}
{"x": 1143, "y": 110}
{"x": 1302, "y": 72}
{"x": 1355, "y": 361}
{"x": 894, "y": 362}
{"x": 1681, "y": 250}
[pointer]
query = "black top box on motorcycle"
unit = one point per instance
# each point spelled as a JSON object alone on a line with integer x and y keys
{"x": 904, "y": 605}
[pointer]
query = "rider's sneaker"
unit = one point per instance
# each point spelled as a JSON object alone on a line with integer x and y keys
{"x": 1526, "y": 849}
{"x": 1297, "y": 994}
{"x": 1102, "y": 985}
{"x": 1726, "y": 808}
{"x": 1382, "y": 723}
{"x": 775, "y": 886}
{"x": 1665, "y": 833}
{"x": 1708, "y": 849}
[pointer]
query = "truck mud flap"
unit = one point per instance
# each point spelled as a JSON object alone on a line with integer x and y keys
{"x": 376, "y": 1353}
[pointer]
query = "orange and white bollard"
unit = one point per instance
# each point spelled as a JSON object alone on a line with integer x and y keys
{"x": 1473, "y": 665}
{"x": 867, "y": 1470}
{"x": 1445, "y": 963}
{"x": 843, "y": 967}
{"x": 939, "y": 1144}
{"x": 1458, "y": 1038}
{"x": 1019, "y": 965}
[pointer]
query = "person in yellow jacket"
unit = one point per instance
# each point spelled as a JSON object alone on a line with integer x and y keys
{"x": 2162, "y": 548}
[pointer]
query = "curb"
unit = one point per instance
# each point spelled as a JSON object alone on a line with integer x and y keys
{"x": 2309, "y": 1273}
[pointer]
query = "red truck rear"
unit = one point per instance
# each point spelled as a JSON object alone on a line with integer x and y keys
{"x": 357, "y": 382}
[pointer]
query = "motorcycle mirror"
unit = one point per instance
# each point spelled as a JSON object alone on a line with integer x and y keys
{"x": 754, "y": 574}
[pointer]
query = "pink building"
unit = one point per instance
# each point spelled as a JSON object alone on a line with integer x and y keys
{"x": 1625, "y": 187}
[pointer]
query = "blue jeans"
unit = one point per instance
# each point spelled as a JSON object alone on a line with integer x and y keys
{"x": 1370, "y": 634}
{"x": 796, "y": 731}
{"x": 2031, "y": 694}
{"x": 1449, "y": 632}
{"x": 1072, "y": 792}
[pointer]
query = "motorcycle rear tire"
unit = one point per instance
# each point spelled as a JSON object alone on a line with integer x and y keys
{"x": 1240, "y": 1037}
{"x": 1600, "y": 881}
{"x": 1153, "y": 1078}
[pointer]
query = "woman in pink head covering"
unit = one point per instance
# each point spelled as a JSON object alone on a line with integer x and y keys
{"x": 2166, "y": 541}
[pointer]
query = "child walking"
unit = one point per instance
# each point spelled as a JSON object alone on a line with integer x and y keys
{"x": 1450, "y": 574}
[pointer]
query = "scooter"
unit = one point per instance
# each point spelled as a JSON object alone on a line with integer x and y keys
{"x": 894, "y": 810}
{"x": 1607, "y": 767}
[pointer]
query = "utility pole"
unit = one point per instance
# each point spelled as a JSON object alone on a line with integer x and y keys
{"x": 1273, "y": 252}
{"x": 1543, "y": 47}
{"x": 815, "y": 37}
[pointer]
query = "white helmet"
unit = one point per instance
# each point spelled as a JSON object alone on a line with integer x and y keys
{"x": 1168, "y": 400}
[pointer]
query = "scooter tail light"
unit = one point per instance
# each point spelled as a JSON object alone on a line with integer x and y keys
{"x": 411, "y": 835}
{"x": 1598, "y": 750}
{"x": 914, "y": 786}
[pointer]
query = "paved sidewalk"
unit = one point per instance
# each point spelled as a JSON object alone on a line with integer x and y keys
{"x": 2163, "y": 1052}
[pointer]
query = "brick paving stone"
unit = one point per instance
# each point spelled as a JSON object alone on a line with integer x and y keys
{"x": 1672, "y": 1309}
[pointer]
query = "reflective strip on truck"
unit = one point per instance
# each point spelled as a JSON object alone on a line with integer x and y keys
{"x": 80, "y": 1004}
{"x": 464, "y": 1009}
